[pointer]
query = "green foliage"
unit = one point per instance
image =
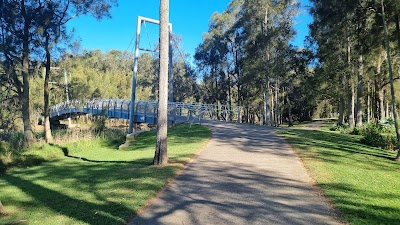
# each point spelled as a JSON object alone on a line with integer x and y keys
{"x": 246, "y": 53}
{"x": 31, "y": 30}
{"x": 15, "y": 140}
{"x": 343, "y": 129}
{"x": 378, "y": 135}
{"x": 98, "y": 124}
{"x": 361, "y": 181}
{"x": 387, "y": 123}
{"x": 374, "y": 134}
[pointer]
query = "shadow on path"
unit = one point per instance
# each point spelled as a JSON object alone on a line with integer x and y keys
{"x": 245, "y": 175}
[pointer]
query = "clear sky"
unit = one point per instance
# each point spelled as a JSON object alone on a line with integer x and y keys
{"x": 189, "y": 18}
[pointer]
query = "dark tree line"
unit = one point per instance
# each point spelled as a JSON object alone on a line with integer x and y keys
{"x": 357, "y": 44}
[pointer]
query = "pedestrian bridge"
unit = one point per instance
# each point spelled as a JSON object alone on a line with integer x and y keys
{"x": 145, "y": 111}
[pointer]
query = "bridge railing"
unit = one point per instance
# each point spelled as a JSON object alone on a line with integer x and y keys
{"x": 119, "y": 108}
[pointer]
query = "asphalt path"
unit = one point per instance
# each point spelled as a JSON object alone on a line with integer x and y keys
{"x": 245, "y": 175}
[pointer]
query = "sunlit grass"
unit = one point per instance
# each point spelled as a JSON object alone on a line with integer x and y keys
{"x": 363, "y": 182}
{"x": 94, "y": 183}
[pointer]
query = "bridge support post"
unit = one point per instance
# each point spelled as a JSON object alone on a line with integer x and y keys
{"x": 135, "y": 69}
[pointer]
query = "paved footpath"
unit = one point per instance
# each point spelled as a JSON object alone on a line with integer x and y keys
{"x": 245, "y": 175}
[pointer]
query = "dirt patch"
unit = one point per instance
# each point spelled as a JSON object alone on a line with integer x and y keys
{"x": 314, "y": 125}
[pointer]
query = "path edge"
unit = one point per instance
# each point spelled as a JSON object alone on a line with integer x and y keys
{"x": 172, "y": 179}
{"x": 336, "y": 213}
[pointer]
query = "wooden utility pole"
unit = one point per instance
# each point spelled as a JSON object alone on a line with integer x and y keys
{"x": 161, "y": 156}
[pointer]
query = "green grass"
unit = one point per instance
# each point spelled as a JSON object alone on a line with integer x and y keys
{"x": 363, "y": 182}
{"x": 328, "y": 124}
{"x": 91, "y": 182}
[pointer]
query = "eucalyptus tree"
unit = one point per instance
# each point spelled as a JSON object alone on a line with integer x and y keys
{"x": 22, "y": 27}
{"x": 161, "y": 152}
{"x": 331, "y": 31}
{"x": 389, "y": 62}
{"x": 349, "y": 25}
{"x": 268, "y": 29}
{"x": 367, "y": 33}
{"x": 244, "y": 52}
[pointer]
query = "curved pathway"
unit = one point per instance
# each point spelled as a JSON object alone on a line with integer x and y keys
{"x": 316, "y": 125}
{"x": 245, "y": 175}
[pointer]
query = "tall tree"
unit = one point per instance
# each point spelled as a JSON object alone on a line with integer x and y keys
{"x": 21, "y": 21}
{"x": 161, "y": 153}
{"x": 391, "y": 77}
{"x": 53, "y": 17}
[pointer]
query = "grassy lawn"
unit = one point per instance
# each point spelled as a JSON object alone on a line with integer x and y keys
{"x": 363, "y": 182}
{"x": 92, "y": 182}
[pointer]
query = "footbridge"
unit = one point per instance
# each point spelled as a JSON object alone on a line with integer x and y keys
{"x": 145, "y": 111}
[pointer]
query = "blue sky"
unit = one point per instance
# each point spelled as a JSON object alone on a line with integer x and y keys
{"x": 189, "y": 18}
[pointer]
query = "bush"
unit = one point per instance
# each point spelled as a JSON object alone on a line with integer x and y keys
{"x": 15, "y": 140}
{"x": 98, "y": 124}
{"x": 377, "y": 135}
{"x": 387, "y": 123}
{"x": 343, "y": 129}
{"x": 3, "y": 166}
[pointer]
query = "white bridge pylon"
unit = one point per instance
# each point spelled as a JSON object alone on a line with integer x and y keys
{"x": 140, "y": 21}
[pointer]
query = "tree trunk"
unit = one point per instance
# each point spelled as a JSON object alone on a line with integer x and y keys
{"x": 289, "y": 111}
{"x": 381, "y": 104}
{"x": 392, "y": 91}
{"x": 237, "y": 71}
{"x": 360, "y": 84}
{"x": 350, "y": 105}
{"x": 379, "y": 95}
{"x": 276, "y": 119}
{"x": 350, "y": 88}
{"x": 26, "y": 119}
{"x": 267, "y": 110}
{"x": 47, "y": 129}
{"x": 161, "y": 156}
{"x": 230, "y": 98}
{"x": 368, "y": 103}
{"x": 341, "y": 111}
{"x": 272, "y": 117}
{"x": 387, "y": 111}
{"x": 397, "y": 32}
{"x": 267, "y": 106}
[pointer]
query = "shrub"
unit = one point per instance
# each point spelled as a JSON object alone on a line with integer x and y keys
{"x": 98, "y": 124}
{"x": 377, "y": 135}
{"x": 15, "y": 140}
{"x": 3, "y": 166}
{"x": 343, "y": 129}
{"x": 388, "y": 122}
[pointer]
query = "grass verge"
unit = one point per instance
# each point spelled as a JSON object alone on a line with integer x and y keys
{"x": 363, "y": 182}
{"x": 91, "y": 181}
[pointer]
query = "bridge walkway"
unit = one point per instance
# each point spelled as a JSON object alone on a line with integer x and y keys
{"x": 145, "y": 111}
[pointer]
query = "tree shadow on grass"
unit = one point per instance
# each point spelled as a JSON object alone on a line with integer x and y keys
{"x": 342, "y": 143}
{"x": 118, "y": 189}
{"x": 359, "y": 208}
{"x": 66, "y": 154}
{"x": 84, "y": 211}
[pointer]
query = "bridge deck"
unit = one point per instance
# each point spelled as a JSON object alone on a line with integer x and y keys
{"x": 145, "y": 111}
